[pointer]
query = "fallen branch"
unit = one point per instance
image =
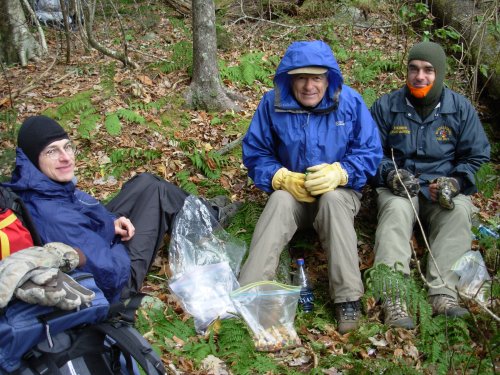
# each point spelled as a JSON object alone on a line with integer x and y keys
{"x": 225, "y": 149}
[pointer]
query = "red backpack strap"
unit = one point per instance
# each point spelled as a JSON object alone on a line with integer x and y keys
{"x": 4, "y": 240}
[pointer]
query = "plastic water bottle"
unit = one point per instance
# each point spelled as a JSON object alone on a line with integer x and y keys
{"x": 485, "y": 231}
{"x": 306, "y": 299}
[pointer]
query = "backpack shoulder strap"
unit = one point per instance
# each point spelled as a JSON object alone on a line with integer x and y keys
{"x": 131, "y": 342}
{"x": 9, "y": 199}
{"x": 124, "y": 310}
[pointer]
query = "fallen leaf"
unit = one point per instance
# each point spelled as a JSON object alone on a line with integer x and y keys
{"x": 145, "y": 80}
{"x": 378, "y": 342}
{"x": 398, "y": 353}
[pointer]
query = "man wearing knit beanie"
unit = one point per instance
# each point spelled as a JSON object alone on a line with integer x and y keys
{"x": 437, "y": 142}
{"x": 119, "y": 240}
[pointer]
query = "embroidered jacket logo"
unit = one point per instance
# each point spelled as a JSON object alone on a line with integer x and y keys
{"x": 443, "y": 133}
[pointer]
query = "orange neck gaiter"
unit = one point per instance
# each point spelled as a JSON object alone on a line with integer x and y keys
{"x": 419, "y": 92}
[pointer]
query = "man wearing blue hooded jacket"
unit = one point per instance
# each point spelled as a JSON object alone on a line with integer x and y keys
{"x": 119, "y": 240}
{"x": 311, "y": 145}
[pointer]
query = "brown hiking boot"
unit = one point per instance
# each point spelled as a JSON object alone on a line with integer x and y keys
{"x": 347, "y": 315}
{"x": 447, "y": 305}
{"x": 396, "y": 313}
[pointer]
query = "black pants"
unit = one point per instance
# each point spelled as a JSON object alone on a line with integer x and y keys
{"x": 151, "y": 203}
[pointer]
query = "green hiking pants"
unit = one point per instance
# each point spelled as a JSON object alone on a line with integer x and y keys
{"x": 448, "y": 233}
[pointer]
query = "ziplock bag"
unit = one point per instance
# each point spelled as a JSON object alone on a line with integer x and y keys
{"x": 197, "y": 239}
{"x": 204, "y": 293}
{"x": 473, "y": 275}
{"x": 269, "y": 307}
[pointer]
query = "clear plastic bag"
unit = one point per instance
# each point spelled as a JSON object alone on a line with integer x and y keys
{"x": 204, "y": 293}
{"x": 269, "y": 307}
{"x": 473, "y": 275}
{"x": 197, "y": 240}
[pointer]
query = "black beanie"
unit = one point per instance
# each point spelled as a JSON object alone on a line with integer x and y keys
{"x": 36, "y": 133}
{"x": 433, "y": 53}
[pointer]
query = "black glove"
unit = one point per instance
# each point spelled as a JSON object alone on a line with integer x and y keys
{"x": 398, "y": 188}
{"x": 448, "y": 187}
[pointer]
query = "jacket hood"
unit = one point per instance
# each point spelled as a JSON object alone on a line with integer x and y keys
{"x": 27, "y": 177}
{"x": 299, "y": 55}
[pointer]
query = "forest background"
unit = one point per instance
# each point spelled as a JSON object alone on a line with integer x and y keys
{"x": 127, "y": 113}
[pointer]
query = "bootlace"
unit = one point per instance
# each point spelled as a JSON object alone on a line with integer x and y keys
{"x": 444, "y": 302}
{"x": 396, "y": 308}
{"x": 350, "y": 310}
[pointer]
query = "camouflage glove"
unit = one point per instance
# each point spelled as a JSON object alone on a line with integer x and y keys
{"x": 51, "y": 287}
{"x": 448, "y": 187}
{"x": 398, "y": 188}
{"x": 41, "y": 287}
{"x": 14, "y": 269}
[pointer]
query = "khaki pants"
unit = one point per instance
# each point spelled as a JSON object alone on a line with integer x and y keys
{"x": 448, "y": 233}
{"x": 332, "y": 216}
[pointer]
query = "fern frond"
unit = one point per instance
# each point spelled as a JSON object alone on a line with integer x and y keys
{"x": 130, "y": 116}
{"x": 74, "y": 105}
{"x": 113, "y": 124}
{"x": 209, "y": 163}
{"x": 252, "y": 66}
{"x": 185, "y": 183}
{"x": 182, "y": 58}
{"x": 88, "y": 123}
{"x": 236, "y": 346}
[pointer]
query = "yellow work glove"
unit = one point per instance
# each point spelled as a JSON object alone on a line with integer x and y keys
{"x": 292, "y": 182}
{"x": 325, "y": 177}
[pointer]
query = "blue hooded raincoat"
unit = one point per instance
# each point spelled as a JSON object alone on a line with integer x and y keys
{"x": 63, "y": 213}
{"x": 340, "y": 128}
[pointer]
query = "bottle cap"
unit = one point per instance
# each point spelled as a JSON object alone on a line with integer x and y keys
{"x": 300, "y": 261}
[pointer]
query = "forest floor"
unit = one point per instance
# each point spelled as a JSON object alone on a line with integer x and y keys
{"x": 171, "y": 135}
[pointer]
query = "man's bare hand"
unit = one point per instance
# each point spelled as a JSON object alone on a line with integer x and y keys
{"x": 124, "y": 228}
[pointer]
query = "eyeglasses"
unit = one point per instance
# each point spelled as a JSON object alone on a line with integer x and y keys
{"x": 54, "y": 153}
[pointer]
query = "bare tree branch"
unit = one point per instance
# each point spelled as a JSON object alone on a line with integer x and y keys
{"x": 90, "y": 6}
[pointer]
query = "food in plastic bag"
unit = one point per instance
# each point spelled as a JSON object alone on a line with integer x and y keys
{"x": 204, "y": 293}
{"x": 269, "y": 307}
{"x": 473, "y": 275}
{"x": 197, "y": 240}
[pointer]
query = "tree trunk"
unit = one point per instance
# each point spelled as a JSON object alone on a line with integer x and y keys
{"x": 206, "y": 91}
{"x": 482, "y": 45}
{"x": 17, "y": 44}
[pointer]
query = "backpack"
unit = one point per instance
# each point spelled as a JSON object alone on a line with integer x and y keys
{"x": 94, "y": 340}
{"x": 99, "y": 349}
{"x": 97, "y": 339}
{"x": 16, "y": 227}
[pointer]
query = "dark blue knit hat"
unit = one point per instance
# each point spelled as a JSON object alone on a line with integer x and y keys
{"x": 36, "y": 133}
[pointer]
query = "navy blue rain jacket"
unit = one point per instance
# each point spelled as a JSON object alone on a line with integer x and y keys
{"x": 450, "y": 142}
{"x": 340, "y": 128}
{"x": 65, "y": 214}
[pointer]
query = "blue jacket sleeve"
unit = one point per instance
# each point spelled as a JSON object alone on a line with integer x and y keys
{"x": 259, "y": 147}
{"x": 107, "y": 260}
